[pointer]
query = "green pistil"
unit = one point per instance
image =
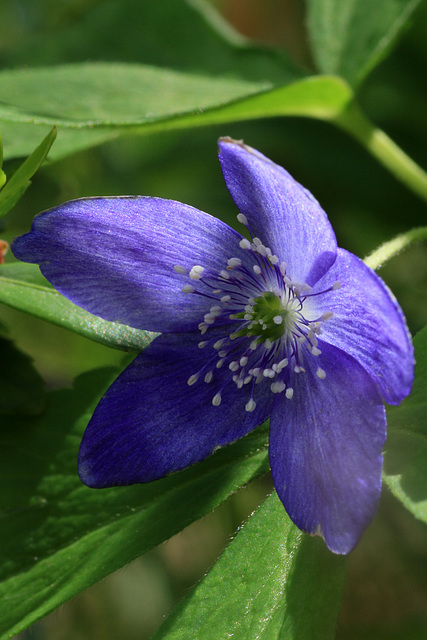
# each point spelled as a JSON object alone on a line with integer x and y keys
{"x": 266, "y": 310}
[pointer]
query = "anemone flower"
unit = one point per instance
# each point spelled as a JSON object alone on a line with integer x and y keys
{"x": 276, "y": 323}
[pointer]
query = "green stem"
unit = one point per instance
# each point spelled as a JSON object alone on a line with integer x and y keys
{"x": 383, "y": 148}
{"x": 391, "y": 248}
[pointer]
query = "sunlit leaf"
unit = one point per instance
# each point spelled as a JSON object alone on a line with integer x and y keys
{"x": 273, "y": 582}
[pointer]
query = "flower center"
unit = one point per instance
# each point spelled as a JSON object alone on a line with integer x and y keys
{"x": 265, "y": 316}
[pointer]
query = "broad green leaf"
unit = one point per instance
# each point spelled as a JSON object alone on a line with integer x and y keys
{"x": 92, "y": 103}
{"x": 23, "y": 287}
{"x": 58, "y": 536}
{"x": 272, "y": 583}
{"x": 350, "y": 37}
{"x": 405, "y": 469}
{"x": 20, "y": 180}
{"x": 21, "y": 387}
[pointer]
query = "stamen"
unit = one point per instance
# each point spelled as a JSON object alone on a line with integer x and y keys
{"x": 242, "y": 218}
{"x": 180, "y": 269}
{"x": 244, "y": 244}
{"x": 187, "y": 288}
{"x": 327, "y": 315}
{"x": 192, "y": 379}
{"x": 202, "y": 344}
{"x": 216, "y": 400}
{"x": 234, "y": 262}
{"x": 336, "y": 285}
{"x": 209, "y": 376}
{"x": 250, "y": 406}
{"x": 321, "y": 373}
{"x": 289, "y": 393}
{"x": 196, "y": 272}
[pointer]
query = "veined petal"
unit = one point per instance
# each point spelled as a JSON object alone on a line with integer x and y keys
{"x": 152, "y": 422}
{"x": 115, "y": 257}
{"x": 283, "y": 214}
{"x": 368, "y": 324}
{"x": 325, "y": 450}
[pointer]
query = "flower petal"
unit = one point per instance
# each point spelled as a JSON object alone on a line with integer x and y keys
{"x": 368, "y": 324}
{"x": 284, "y": 215}
{"x": 115, "y": 257}
{"x": 151, "y": 422}
{"x": 325, "y": 450}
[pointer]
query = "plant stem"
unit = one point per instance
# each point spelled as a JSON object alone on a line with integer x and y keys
{"x": 393, "y": 247}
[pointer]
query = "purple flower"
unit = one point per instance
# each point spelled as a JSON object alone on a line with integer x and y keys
{"x": 282, "y": 325}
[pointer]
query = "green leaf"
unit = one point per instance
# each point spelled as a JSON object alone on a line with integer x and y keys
{"x": 350, "y": 37}
{"x": 18, "y": 183}
{"x": 273, "y": 582}
{"x": 405, "y": 468}
{"x": 21, "y": 387}
{"x": 92, "y": 103}
{"x": 58, "y": 536}
{"x": 23, "y": 287}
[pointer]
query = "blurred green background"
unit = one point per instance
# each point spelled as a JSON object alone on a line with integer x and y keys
{"x": 386, "y": 595}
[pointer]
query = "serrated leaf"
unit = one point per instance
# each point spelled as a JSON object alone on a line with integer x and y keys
{"x": 405, "y": 468}
{"x": 93, "y": 103}
{"x": 272, "y": 583}
{"x": 58, "y": 536}
{"x": 350, "y": 37}
{"x": 23, "y": 287}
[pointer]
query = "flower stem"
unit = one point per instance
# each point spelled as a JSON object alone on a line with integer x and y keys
{"x": 354, "y": 121}
{"x": 393, "y": 247}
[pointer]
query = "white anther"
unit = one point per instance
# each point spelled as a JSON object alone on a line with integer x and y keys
{"x": 266, "y": 373}
{"x": 247, "y": 316}
{"x": 255, "y": 372}
{"x": 315, "y": 351}
{"x": 278, "y": 386}
{"x": 225, "y": 298}
{"x": 222, "y": 354}
{"x": 282, "y": 268}
{"x": 203, "y": 327}
{"x": 180, "y": 269}
{"x": 202, "y": 344}
{"x": 243, "y": 361}
{"x": 267, "y": 344}
{"x": 219, "y": 363}
{"x": 277, "y": 319}
{"x": 299, "y": 369}
{"x": 187, "y": 288}
{"x": 242, "y": 218}
{"x": 244, "y": 244}
{"x": 301, "y": 339}
{"x": 215, "y": 311}
{"x": 327, "y": 315}
{"x": 247, "y": 379}
{"x": 261, "y": 250}
{"x": 192, "y": 379}
{"x": 282, "y": 364}
{"x": 216, "y": 400}
{"x": 217, "y": 291}
{"x": 289, "y": 393}
{"x": 336, "y": 285}
{"x": 208, "y": 318}
{"x": 273, "y": 259}
{"x": 234, "y": 262}
{"x": 257, "y": 242}
{"x": 209, "y": 376}
{"x": 321, "y": 373}
{"x": 224, "y": 274}
{"x": 253, "y": 345}
{"x": 257, "y": 269}
{"x": 196, "y": 272}
{"x": 250, "y": 406}
{"x": 219, "y": 343}
{"x": 233, "y": 366}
